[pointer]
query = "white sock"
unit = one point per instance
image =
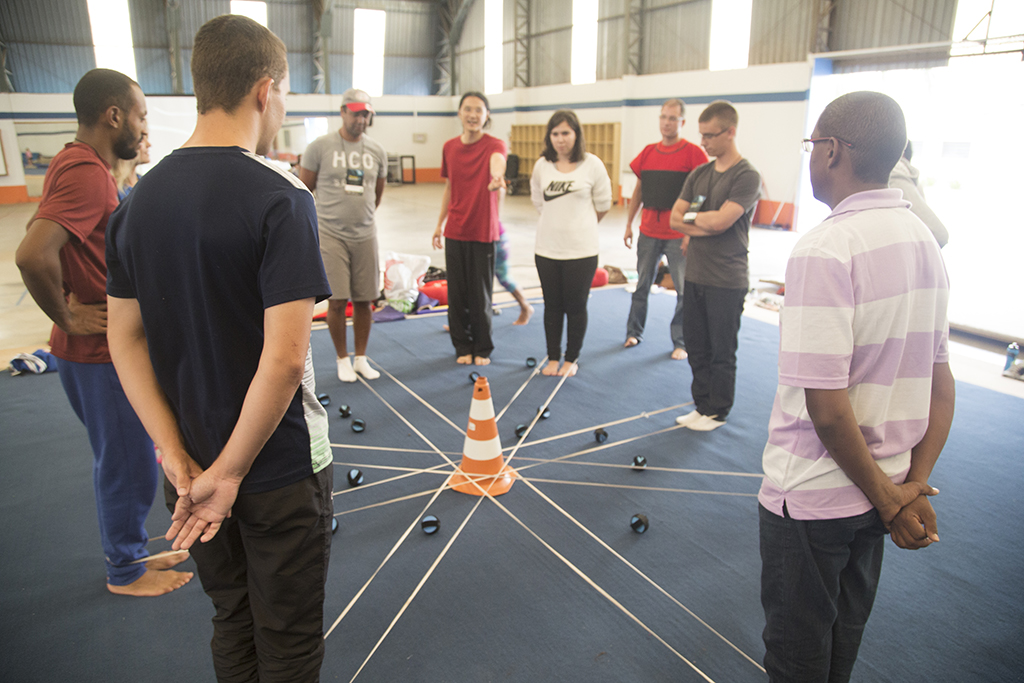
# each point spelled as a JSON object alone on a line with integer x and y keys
{"x": 362, "y": 366}
{"x": 345, "y": 371}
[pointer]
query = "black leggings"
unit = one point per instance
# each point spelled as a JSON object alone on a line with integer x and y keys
{"x": 566, "y": 286}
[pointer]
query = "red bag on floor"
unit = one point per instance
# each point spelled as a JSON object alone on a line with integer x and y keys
{"x": 436, "y": 289}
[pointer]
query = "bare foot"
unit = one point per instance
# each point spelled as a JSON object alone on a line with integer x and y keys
{"x": 568, "y": 370}
{"x": 465, "y": 360}
{"x": 631, "y": 341}
{"x": 167, "y": 560}
{"x": 446, "y": 328}
{"x": 679, "y": 354}
{"x": 153, "y": 583}
{"x": 551, "y": 369}
{"x": 525, "y": 313}
{"x": 477, "y": 360}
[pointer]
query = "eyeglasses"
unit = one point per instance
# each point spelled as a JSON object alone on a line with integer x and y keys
{"x": 808, "y": 143}
{"x": 711, "y": 136}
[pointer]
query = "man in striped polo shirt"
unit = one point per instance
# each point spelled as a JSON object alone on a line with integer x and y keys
{"x": 865, "y": 397}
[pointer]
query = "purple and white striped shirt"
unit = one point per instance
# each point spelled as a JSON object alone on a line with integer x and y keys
{"x": 866, "y": 295}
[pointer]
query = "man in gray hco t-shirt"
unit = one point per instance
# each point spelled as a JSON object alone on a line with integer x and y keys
{"x": 714, "y": 209}
{"x": 348, "y": 170}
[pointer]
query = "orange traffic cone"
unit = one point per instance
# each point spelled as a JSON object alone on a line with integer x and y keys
{"x": 482, "y": 461}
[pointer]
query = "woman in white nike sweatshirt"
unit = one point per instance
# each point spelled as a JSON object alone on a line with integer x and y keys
{"x": 572, "y": 192}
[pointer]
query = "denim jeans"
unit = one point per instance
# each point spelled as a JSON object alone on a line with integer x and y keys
{"x": 648, "y": 256}
{"x": 818, "y": 584}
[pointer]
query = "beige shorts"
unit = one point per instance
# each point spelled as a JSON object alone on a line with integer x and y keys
{"x": 352, "y": 267}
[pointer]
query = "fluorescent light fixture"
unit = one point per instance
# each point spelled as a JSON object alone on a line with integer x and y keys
{"x": 730, "y": 34}
{"x": 493, "y": 49}
{"x": 257, "y": 11}
{"x": 368, "y": 60}
{"x": 584, "y": 42}
{"x": 112, "y": 36}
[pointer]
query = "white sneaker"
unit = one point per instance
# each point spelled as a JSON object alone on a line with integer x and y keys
{"x": 705, "y": 424}
{"x": 685, "y": 420}
{"x": 362, "y": 366}
{"x": 345, "y": 371}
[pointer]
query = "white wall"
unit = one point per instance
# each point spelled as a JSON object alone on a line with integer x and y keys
{"x": 769, "y": 134}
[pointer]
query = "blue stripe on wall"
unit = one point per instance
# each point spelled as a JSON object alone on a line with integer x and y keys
{"x": 797, "y": 96}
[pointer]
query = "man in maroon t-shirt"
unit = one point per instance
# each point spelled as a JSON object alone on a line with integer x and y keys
{"x": 661, "y": 170}
{"x": 62, "y": 261}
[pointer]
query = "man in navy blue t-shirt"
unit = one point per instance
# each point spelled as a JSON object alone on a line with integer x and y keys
{"x": 213, "y": 271}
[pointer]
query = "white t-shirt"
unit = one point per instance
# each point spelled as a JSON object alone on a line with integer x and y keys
{"x": 568, "y": 204}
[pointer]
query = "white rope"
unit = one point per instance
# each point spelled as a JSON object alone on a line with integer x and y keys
{"x": 649, "y": 580}
{"x": 533, "y": 374}
{"x": 416, "y": 590}
{"x": 639, "y": 488}
{"x": 593, "y": 584}
{"x": 412, "y": 393}
{"x": 606, "y": 424}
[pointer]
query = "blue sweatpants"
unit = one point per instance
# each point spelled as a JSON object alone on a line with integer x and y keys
{"x": 124, "y": 464}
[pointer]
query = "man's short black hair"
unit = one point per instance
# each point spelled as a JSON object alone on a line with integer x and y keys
{"x": 100, "y": 89}
{"x": 873, "y": 123}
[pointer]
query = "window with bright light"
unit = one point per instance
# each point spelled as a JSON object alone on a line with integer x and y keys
{"x": 368, "y": 60}
{"x": 584, "y": 42}
{"x": 112, "y": 36}
{"x": 973, "y": 22}
{"x": 257, "y": 11}
{"x": 316, "y": 126}
{"x": 730, "y": 34}
{"x": 493, "y": 73}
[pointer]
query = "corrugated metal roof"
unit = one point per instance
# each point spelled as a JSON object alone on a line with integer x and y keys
{"x": 612, "y": 44}
{"x": 48, "y": 68}
{"x": 883, "y": 23}
{"x": 551, "y": 57}
{"x": 782, "y": 30}
{"x": 408, "y": 75}
{"x": 45, "y": 22}
{"x": 677, "y": 37}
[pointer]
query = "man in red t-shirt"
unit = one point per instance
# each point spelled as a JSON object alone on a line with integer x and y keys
{"x": 62, "y": 261}
{"x": 661, "y": 170}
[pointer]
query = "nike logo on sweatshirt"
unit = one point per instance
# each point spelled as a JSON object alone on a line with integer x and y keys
{"x": 557, "y": 188}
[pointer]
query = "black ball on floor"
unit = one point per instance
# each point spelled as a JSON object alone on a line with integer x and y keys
{"x": 639, "y": 523}
{"x": 544, "y": 414}
{"x": 324, "y": 399}
{"x": 355, "y": 477}
{"x": 344, "y": 410}
{"x": 358, "y": 425}
{"x": 531, "y": 362}
{"x": 430, "y": 524}
{"x": 639, "y": 462}
{"x": 334, "y": 525}
{"x": 520, "y": 430}
{"x": 600, "y": 435}
{"x": 474, "y": 376}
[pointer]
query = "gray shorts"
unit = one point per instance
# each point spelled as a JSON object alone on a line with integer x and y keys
{"x": 352, "y": 268}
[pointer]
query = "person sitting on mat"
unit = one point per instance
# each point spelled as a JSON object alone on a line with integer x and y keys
{"x": 572, "y": 193}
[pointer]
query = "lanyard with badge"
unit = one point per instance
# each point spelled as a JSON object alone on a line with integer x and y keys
{"x": 353, "y": 176}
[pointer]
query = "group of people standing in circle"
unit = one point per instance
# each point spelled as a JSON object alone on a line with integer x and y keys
{"x": 572, "y": 193}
